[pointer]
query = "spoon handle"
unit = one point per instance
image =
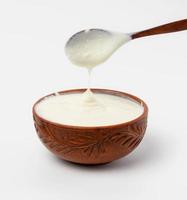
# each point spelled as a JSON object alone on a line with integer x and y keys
{"x": 166, "y": 28}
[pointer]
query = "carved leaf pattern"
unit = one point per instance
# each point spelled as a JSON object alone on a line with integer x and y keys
{"x": 87, "y": 144}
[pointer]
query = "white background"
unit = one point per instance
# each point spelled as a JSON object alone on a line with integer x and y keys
{"x": 33, "y": 64}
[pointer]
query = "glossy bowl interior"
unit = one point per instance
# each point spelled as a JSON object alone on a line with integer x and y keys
{"x": 92, "y": 145}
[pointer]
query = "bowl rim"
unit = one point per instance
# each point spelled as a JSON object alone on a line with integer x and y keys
{"x": 96, "y": 90}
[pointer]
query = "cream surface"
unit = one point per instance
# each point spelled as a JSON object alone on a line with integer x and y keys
{"x": 93, "y": 47}
{"x": 88, "y": 110}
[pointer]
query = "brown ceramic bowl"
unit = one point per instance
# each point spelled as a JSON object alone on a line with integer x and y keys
{"x": 92, "y": 145}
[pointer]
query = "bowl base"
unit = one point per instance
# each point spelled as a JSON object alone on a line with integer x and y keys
{"x": 86, "y": 164}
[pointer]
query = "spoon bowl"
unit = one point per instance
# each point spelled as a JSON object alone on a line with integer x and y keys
{"x": 92, "y": 47}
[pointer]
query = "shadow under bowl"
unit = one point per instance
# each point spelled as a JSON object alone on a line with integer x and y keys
{"x": 92, "y": 145}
